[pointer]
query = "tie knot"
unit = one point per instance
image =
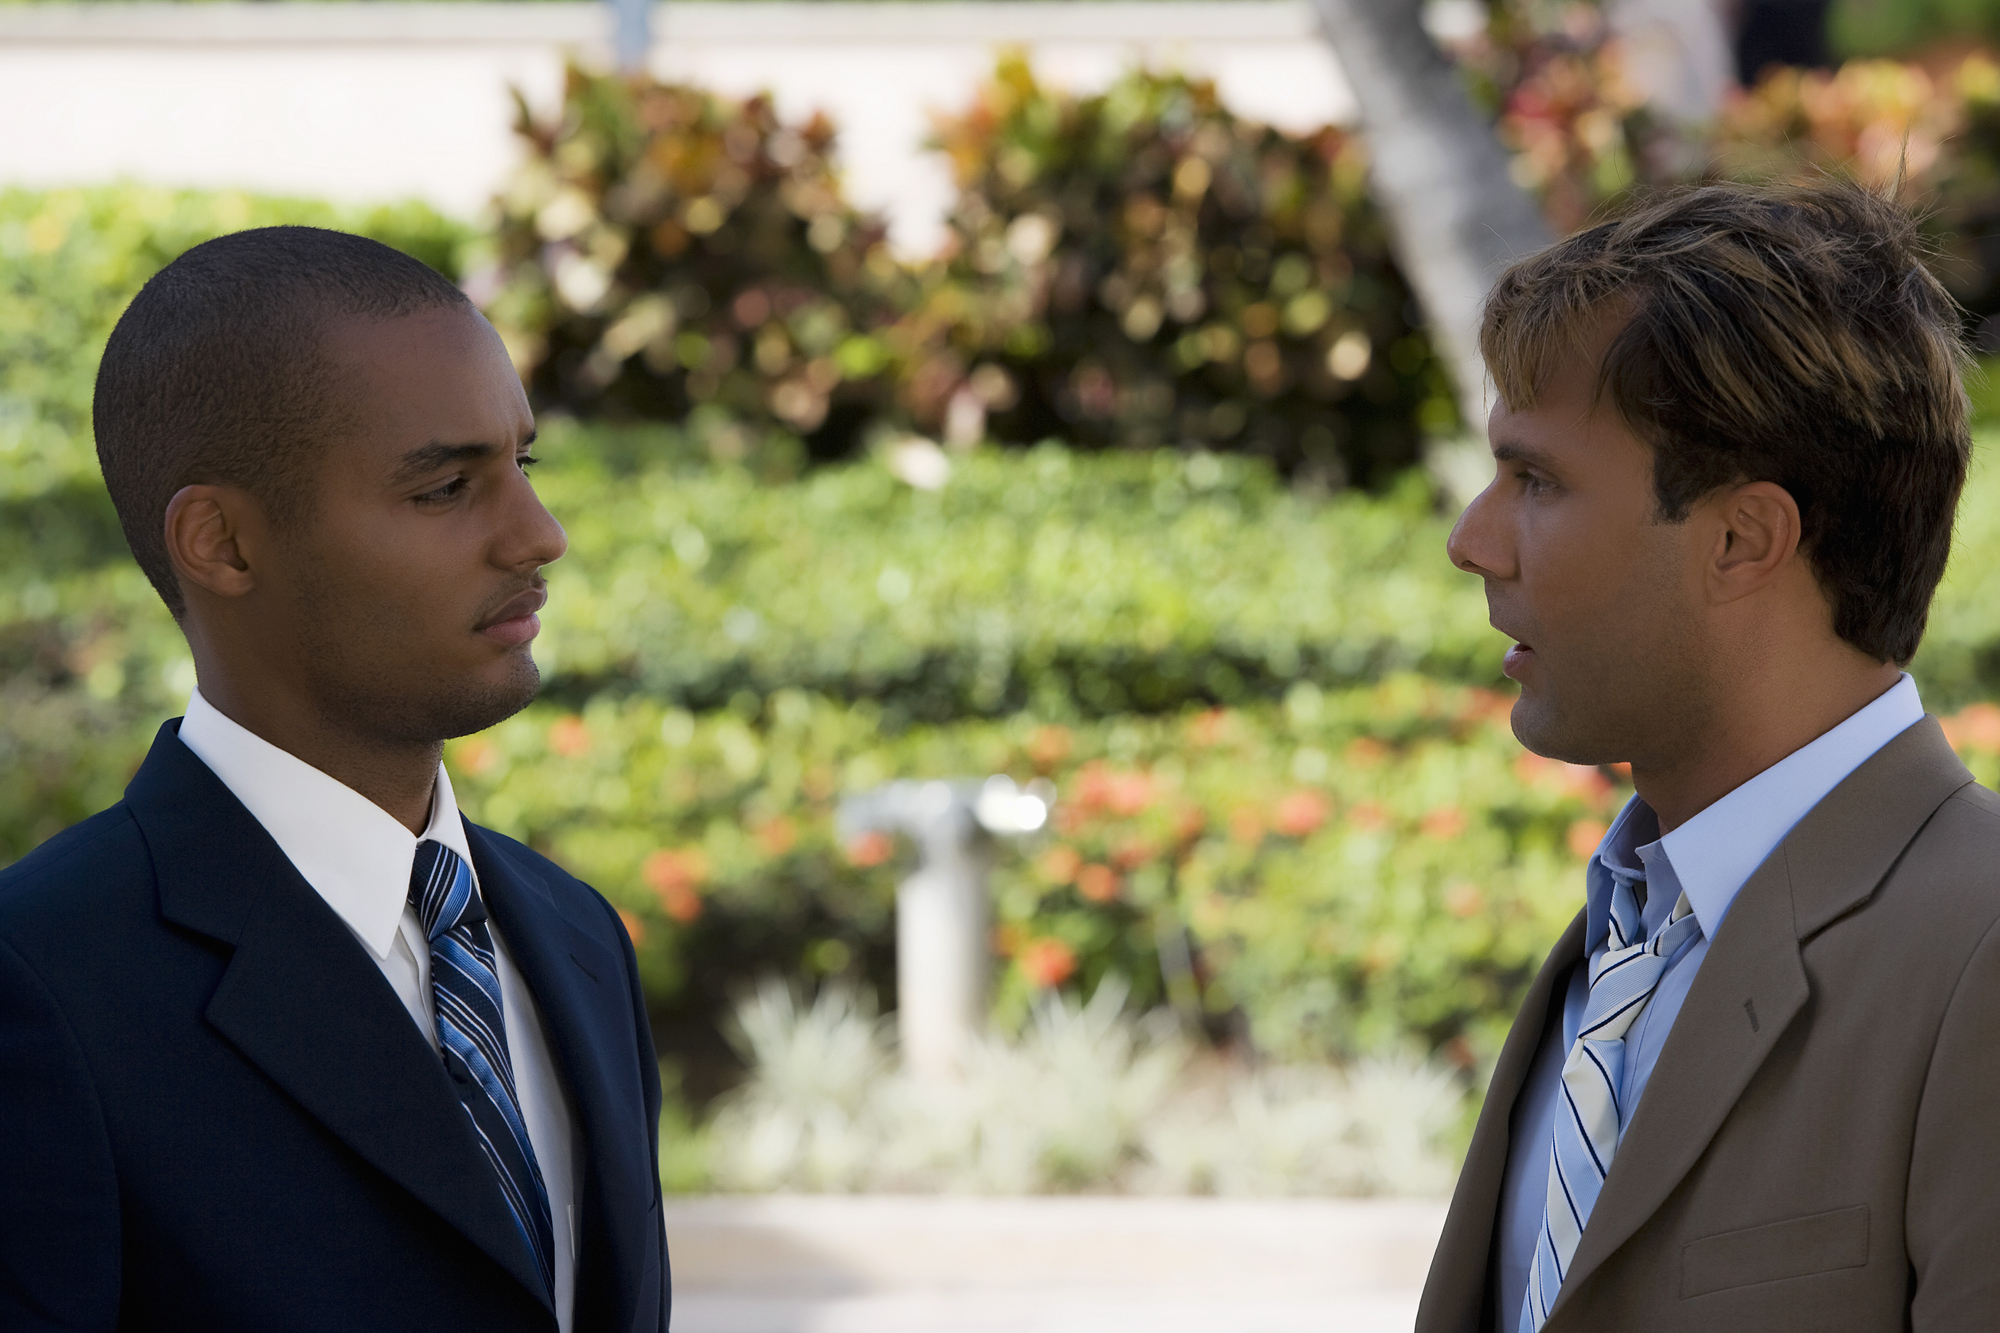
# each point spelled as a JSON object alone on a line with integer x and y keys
{"x": 441, "y": 890}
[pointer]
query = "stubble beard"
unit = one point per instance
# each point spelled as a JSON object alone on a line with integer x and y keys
{"x": 1642, "y": 706}
{"x": 359, "y": 691}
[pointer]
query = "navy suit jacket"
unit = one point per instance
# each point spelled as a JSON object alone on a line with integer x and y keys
{"x": 216, "y": 1114}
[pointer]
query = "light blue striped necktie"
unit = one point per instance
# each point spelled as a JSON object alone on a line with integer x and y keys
{"x": 472, "y": 1037}
{"x": 1622, "y": 979}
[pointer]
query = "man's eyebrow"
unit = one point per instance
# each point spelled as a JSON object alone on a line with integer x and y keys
{"x": 1510, "y": 451}
{"x": 438, "y": 453}
{"x": 430, "y": 457}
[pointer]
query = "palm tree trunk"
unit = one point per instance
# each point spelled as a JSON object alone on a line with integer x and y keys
{"x": 1440, "y": 177}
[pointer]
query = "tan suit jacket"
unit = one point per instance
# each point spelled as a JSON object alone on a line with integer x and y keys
{"x": 1819, "y": 1145}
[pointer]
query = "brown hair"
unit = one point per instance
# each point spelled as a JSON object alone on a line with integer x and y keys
{"x": 1789, "y": 334}
{"x": 216, "y": 373}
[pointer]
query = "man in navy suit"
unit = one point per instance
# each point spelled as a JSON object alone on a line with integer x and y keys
{"x": 285, "y": 1043}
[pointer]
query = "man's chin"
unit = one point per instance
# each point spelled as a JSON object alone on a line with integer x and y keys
{"x": 486, "y": 701}
{"x": 1552, "y": 734}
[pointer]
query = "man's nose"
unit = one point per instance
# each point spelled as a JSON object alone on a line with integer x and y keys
{"x": 1476, "y": 544}
{"x": 536, "y": 538}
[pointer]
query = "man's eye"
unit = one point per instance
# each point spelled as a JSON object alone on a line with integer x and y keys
{"x": 526, "y": 461}
{"x": 443, "y": 493}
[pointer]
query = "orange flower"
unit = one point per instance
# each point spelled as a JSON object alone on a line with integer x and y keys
{"x": 1059, "y": 864}
{"x": 777, "y": 836}
{"x": 1098, "y": 787}
{"x": 635, "y": 929}
{"x": 476, "y": 755}
{"x": 1093, "y": 787}
{"x": 1582, "y": 781}
{"x": 1133, "y": 853}
{"x": 1444, "y": 823}
{"x": 869, "y": 849}
{"x": 1049, "y": 746}
{"x": 1131, "y": 793}
{"x": 1098, "y": 883}
{"x": 676, "y": 877}
{"x": 1211, "y": 727}
{"x": 1364, "y": 752}
{"x": 1584, "y": 835}
{"x": 568, "y": 736}
{"x": 1369, "y": 816}
{"x": 1300, "y": 812}
{"x": 1976, "y": 727}
{"x": 682, "y": 902}
{"x": 1464, "y": 900}
{"x": 1046, "y": 962}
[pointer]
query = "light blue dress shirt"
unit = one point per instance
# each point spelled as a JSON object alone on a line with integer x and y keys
{"x": 1709, "y": 858}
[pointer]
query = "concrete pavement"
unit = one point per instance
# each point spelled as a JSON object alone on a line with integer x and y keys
{"x": 875, "y": 1264}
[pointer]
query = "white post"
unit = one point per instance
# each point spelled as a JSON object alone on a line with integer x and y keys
{"x": 942, "y": 950}
{"x": 943, "y": 923}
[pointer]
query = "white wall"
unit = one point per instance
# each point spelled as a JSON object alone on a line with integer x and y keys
{"x": 377, "y": 101}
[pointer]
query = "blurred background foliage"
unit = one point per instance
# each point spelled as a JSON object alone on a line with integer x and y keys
{"x": 1142, "y": 268}
{"x": 838, "y": 518}
{"x": 1131, "y": 269}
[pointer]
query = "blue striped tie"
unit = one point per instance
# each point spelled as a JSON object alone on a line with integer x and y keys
{"x": 473, "y": 1038}
{"x": 1622, "y": 979}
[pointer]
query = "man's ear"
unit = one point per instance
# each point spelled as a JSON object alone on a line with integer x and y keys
{"x": 1757, "y": 536}
{"x": 205, "y": 528}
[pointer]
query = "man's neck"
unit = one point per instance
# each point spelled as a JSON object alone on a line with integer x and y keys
{"x": 400, "y": 778}
{"x": 1756, "y": 729}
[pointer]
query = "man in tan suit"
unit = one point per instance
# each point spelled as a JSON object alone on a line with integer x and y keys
{"x": 1756, "y": 1086}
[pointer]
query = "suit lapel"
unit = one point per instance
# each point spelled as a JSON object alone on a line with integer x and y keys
{"x": 586, "y": 1014}
{"x": 1753, "y": 982}
{"x": 1456, "y": 1289}
{"x": 304, "y": 1003}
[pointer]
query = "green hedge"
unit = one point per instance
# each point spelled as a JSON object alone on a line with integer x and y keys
{"x": 1069, "y": 584}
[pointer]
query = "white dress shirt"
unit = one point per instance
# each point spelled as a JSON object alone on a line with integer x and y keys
{"x": 358, "y": 858}
{"x": 1710, "y": 858}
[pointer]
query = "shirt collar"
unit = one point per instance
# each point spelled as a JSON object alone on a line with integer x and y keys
{"x": 1713, "y": 855}
{"x": 352, "y": 852}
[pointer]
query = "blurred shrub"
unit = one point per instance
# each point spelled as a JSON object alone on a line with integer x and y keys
{"x": 1064, "y": 583}
{"x": 1934, "y": 134}
{"x": 1087, "y": 1096}
{"x": 666, "y": 253}
{"x": 1582, "y": 137}
{"x": 1905, "y": 27}
{"x": 1346, "y": 871}
{"x": 1134, "y": 269}
{"x": 1554, "y": 81}
{"x": 1141, "y": 267}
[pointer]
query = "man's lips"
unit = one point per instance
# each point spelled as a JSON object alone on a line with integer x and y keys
{"x": 515, "y": 622}
{"x": 1517, "y": 657}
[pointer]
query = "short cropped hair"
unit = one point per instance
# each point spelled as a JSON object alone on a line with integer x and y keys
{"x": 1789, "y": 334}
{"x": 217, "y": 372}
